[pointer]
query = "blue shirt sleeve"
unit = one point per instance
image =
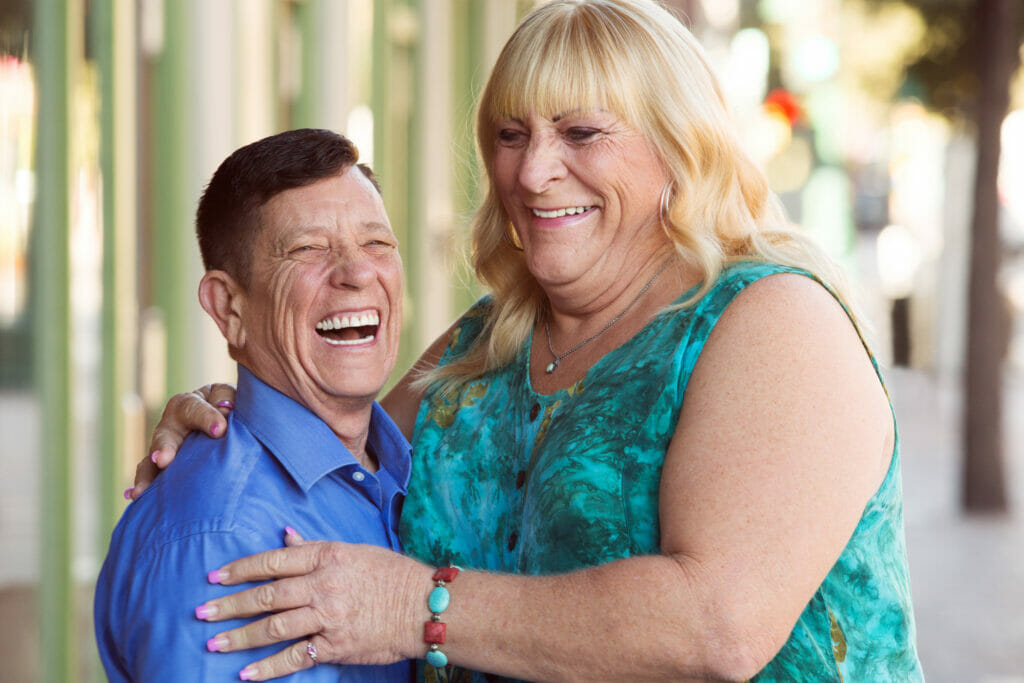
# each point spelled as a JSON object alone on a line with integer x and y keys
{"x": 146, "y": 624}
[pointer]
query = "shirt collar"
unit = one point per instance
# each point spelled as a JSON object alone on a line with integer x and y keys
{"x": 303, "y": 443}
{"x": 392, "y": 449}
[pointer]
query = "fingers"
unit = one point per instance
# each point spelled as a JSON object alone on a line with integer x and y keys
{"x": 293, "y": 658}
{"x": 276, "y": 628}
{"x": 220, "y": 395}
{"x": 272, "y": 564}
{"x": 293, "y": 538}
{"x": 185, "y": 413}
{"x": 204, "y": 409}
{"x": 145, "y": 473}
{"x": 269, "y": 597}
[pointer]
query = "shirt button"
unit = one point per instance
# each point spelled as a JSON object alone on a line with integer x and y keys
{"x": 534, "y": 411}
{"x": 512, "y": 540}
{"x": 358, "y": 476}
{"x": 520, "y": 479}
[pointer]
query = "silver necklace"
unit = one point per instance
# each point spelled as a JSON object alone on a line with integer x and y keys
{"x": 553, "y": 365}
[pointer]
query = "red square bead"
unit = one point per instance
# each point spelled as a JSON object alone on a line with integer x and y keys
{"x": 434, "y": 631}
{"x": 446, "y": 574}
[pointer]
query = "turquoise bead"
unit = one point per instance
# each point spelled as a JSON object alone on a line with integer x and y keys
{"x": 439, "y": 600}
{"x": 437, "y": 659}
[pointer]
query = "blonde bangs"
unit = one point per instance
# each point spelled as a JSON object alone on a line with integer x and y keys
{"x": 570, "y": 60}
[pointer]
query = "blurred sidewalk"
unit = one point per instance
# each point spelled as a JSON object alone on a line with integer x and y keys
{"x": 967, "y": 572}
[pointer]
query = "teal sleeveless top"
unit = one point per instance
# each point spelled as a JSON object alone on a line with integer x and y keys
{"x": 506, "y": 479}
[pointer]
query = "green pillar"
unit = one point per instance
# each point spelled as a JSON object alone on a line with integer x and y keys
{"x": 307, "y": 17}
{"x": 409, "y": 160}
{"x": 470, "y": 70}
{"x": 57, "y": 55}
{"x": 171, "y": 219}
{"x": 115, "y": 48}
{"x": 393, "y": 100}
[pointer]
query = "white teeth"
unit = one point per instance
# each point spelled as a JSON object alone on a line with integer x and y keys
{"x": 558, "y": 213}
{"x": 350, "y": 342}
{"x": 345, "y": 321}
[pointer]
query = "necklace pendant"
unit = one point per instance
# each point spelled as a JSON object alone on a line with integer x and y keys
{"x": 551, "y": 367}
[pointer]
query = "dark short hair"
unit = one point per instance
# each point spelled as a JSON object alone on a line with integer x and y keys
{"x": 228, "y": 218}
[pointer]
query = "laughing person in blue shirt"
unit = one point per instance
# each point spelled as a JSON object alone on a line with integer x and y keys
{"x": 304, "y": 280}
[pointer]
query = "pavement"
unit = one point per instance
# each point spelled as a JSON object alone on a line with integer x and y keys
{"x": 967, "y": 571}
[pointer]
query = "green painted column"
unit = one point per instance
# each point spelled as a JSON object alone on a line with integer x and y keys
{"x": 115, "y": 50}
{"x": 469, "y": 68}
{"x": 308, "y": 18}
{"x": 409, "y": 46}
{"x": 171, "y": 288}
{"x": 393, "y": 101}
{"x": 57, "y": 55}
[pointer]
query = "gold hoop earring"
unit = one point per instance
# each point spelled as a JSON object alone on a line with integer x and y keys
{"x": 512, "y": 242}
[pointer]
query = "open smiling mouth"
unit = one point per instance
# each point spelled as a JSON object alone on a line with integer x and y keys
{"x": 558, "y": 213}
{"x": 349, "y": 330}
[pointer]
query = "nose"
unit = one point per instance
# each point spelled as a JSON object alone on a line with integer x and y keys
{"x": 541, "y": 164}
{"x": 352, "y": 269}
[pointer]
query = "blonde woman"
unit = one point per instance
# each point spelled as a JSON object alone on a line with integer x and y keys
{"x": 658, "y": 449}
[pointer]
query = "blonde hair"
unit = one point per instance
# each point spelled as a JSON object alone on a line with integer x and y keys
{"x": 635, "y": 59}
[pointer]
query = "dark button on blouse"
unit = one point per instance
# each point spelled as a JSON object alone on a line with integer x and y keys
{"x": 534, "y": 411}
{"x": 512, "y": 540}
{"x": 520, "y": 479}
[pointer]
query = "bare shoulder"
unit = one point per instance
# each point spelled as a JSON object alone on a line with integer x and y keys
{"x": 787, "y": 322}
{"x": 788, "y": 303}
{"x": 785, "y": 371}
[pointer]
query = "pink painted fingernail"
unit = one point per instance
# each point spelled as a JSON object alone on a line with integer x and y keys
{"x": 153, "y": 455}
{"x": 217, "y": 644}
{"x": 128, "y": 492}
{"x": 205, "y": 612}
{"x": 217, "y": 576}
{"x": 225, "y": 404}
{"x": 248, "y": 673}
{"x": 288, "y": 531}
{"x": 215, "y": 428}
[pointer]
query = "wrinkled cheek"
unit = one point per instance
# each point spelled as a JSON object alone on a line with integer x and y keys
{"x": 284, "y": 327}
{"x": 285, "y": 333}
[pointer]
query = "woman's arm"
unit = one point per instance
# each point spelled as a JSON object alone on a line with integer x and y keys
{"x": 784, "y": 436}
{"x": 403, "y": 401}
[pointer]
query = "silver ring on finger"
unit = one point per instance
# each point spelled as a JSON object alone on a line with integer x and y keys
{"x": 311, "y": 651}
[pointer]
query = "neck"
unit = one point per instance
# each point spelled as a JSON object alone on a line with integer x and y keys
{"x": 351, "y": 424}
{"x": 576, "y": 313}
{"x": 348, "y": 417}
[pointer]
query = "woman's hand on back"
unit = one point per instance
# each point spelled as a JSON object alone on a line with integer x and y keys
{"x": 203, "y": 410}
{"x": 357, "y": 604}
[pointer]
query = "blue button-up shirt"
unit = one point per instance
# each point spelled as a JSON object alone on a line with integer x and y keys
{"x": 278, "y": 464}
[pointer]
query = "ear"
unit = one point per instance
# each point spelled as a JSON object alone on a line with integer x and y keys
{"x": 223, "y": 299}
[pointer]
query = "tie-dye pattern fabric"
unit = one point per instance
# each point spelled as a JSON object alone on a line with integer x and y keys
{"x": 509, "y": 480}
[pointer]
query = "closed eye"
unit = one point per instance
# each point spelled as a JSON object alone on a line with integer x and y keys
{"x": 511, "y": 137}
{"x": 306, "y": 249}
{"x": 578, "y": 134}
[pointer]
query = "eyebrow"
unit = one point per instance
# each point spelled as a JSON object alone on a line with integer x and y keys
{"x": 377, "y": 226}
{"x": 301, "y": 230}
{"x": 558, "y": 117}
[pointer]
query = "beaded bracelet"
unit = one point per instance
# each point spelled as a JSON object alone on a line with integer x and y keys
{"x": 437, "y": 602}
